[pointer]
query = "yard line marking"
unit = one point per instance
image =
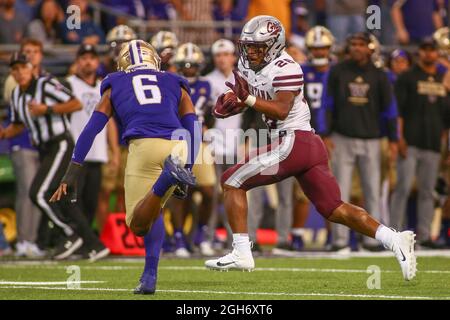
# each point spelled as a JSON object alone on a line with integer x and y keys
{"x": 200, "y": 268}
{"x": 309, "y": 294}
{"x": 43, "y": 283}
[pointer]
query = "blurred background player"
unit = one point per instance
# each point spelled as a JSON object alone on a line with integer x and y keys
{"x": 319, "y": 42}
{"x": 165, "y": 43}
{"x": 115, "y": 38}
{"x": 152, "y": 114}
{"x": 113, "y": 172}
{"x": 189, "y": 61}
{"x": 224, "y": 145}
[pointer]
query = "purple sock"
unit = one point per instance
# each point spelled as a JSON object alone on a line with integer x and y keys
{"x": 164, "y": 182}
{"x": 153, "y": 242}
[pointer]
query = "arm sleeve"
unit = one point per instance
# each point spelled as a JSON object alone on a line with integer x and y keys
{"x": 84, "y": 143}
{"x": 190, "y": 123}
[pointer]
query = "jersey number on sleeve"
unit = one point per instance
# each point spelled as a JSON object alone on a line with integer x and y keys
{"x": 145, "y": 92}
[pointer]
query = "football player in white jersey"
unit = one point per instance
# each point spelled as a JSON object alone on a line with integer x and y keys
{"x": 270, "y": 82}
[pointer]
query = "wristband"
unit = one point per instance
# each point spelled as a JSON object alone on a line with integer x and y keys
{"x": 250, "y": 101}
{"x": 49, "y": 111}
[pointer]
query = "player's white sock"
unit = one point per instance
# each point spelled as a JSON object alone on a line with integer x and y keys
{"x": 385, "y": 235}
{"x": 242, "y": 243}
{"x": 298, "y": 232}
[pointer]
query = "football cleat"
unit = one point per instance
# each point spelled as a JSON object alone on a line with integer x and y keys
{"x": 147, "y": 285}
{"x": 235, "y": 261}
{"x": 173, "y": 166}
{"x": 403, "y": 248}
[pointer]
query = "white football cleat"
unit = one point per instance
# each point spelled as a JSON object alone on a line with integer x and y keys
{"x": 403, "y": 248}
{"x": 232, "y": 261}
{"x": 206, "y": 249}
{"x": 182, "y": 253}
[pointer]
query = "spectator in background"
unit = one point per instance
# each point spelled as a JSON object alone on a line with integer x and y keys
{"x": 399, "y": 61}
{"x": 88, "y": 33}
{"x": 13, "y": 23}
{"x": 198, "y": 11}
{"x": 413, "y": 20}
{"x": 440, "y": 13}
{"x": 280, "y": 9}
{"x": 233, "y": 12}
{"x": 300, "y": 26}
{"x": 47, "y": 25}
{"x": 159, "y": 9}
{"x": 346, "y": 17}
{"x": 357, "y": 93}
{"x": 29, "y": 8}
{"x": 423, "y": 103}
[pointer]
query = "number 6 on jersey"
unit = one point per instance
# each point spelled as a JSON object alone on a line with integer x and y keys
{"x": 145, "y": 92}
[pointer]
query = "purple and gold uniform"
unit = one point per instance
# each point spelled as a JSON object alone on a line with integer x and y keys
{"x": 313, "y": 93}
{"x": 201, "y": 97}
{"x": 145, "y": 104}
{"x": 204, "y": 169}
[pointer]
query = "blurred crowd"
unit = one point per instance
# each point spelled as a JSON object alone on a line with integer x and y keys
{"x": 402, "y": 178}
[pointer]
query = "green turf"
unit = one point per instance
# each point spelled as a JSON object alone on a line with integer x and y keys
{"x": 312, "y": 279}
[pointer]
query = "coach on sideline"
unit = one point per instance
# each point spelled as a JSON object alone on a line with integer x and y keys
{"x": 359, "y": 96}
{"x": 41, "y": 104}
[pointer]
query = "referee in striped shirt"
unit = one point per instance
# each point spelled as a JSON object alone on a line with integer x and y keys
{"x": 42, "y": 105}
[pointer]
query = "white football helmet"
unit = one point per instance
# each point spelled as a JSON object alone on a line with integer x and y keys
{"x": 265, "y": 32}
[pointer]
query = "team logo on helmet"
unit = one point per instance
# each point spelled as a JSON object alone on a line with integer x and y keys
{"x": 273, "y": 28}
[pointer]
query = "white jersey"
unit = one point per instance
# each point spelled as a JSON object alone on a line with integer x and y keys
{"x": 225, "y": 143}
{"x": 89, "y": 96}
{"x": 282, "y": 74}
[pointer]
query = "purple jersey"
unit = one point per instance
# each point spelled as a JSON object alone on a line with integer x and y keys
{"x": 313, "y": 93}
{"x": 145, "y": 102}
{"x": 201, "y": 97}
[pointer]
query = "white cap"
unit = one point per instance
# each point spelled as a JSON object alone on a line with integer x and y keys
{"x": 221, "y": 46}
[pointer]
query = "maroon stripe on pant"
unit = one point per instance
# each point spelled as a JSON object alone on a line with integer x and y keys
{"x": 308, "y": 162}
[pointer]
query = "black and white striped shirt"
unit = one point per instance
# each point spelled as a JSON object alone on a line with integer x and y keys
{"x": 46, "y": 90}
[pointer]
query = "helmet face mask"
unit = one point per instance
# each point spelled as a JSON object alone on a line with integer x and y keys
{"x": 262, "y": 40}
{"x": 253, "y": 54}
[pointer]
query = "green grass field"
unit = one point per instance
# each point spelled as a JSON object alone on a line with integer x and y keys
{"x": 274, "y": 278}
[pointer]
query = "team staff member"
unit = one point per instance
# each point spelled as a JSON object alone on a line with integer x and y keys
{"x": 424, "y": 116}
{"x": 42, "y": 104}
{"x": 358, "y": 94}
